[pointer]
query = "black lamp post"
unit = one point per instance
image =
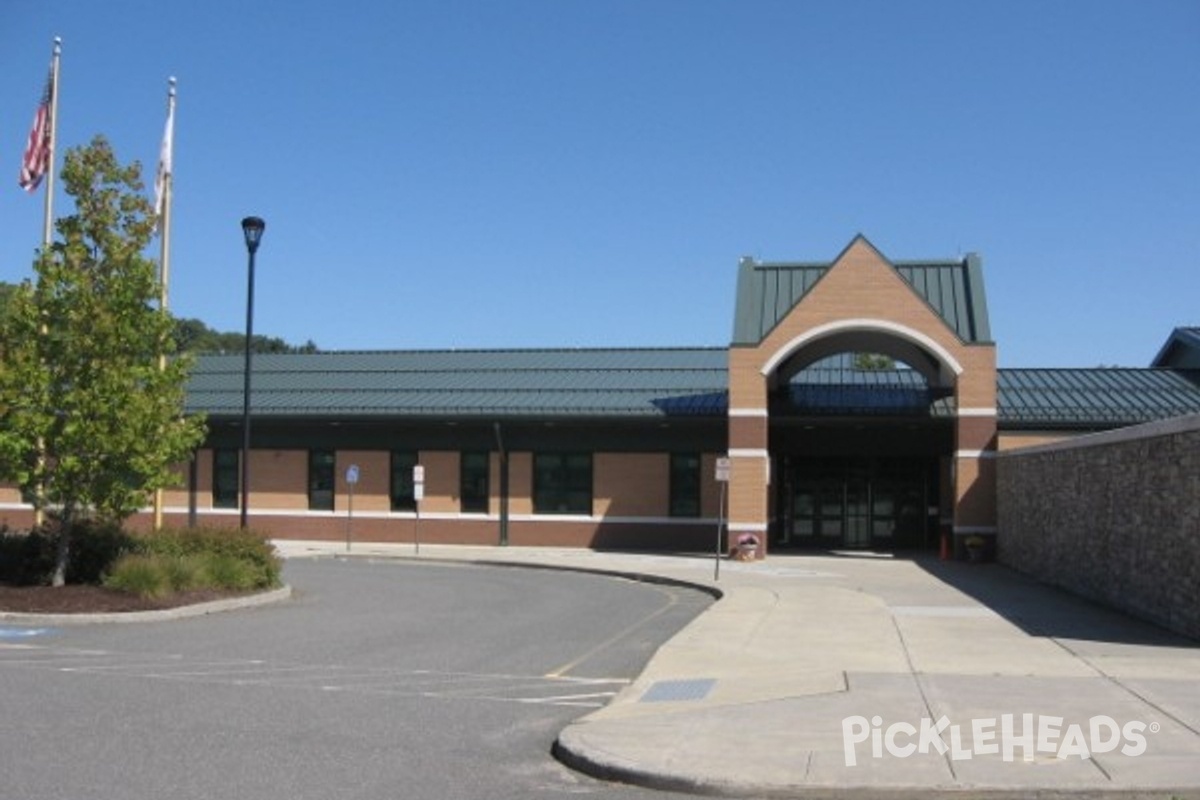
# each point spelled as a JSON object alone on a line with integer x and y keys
{"x": 252, "y": 229}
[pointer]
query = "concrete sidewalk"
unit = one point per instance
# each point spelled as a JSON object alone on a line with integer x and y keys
{"x": 852, "y": 675}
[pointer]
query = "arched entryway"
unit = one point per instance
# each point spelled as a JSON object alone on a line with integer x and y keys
{"x": 861, "y": 437}
{"x": 861, "y": 403}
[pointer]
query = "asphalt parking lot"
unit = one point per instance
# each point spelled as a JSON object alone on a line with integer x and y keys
{"x": 377, "y": 680}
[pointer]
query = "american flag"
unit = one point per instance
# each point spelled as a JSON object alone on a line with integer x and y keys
{"x": 36, "y": 160}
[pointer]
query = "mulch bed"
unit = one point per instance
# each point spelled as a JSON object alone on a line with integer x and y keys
{"x": 84, "y": 599}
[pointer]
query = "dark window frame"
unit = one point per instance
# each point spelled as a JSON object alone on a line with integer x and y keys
{"x": 685, "y": 485}
{"x": 563, "y": 483}
{"x": 322, "y": 480}
{"x": 402, "y": 495}
{"x": 474, "y": 484}
{"x": 226, "y": 477}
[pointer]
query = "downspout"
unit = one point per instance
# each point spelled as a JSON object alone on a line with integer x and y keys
{"x": 503, "y": 485}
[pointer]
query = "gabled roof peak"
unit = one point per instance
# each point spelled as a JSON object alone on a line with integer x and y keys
{"x": 768, "y": 291}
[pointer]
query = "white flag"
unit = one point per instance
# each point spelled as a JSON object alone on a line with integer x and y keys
{"x": 164, "y": 157}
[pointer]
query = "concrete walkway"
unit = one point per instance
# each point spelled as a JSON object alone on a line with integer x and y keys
{"x": 860, "y": 676}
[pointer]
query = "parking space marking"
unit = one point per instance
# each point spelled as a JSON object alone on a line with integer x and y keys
{"x": 377, "y": 681}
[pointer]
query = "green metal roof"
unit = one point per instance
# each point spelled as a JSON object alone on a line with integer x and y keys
{"x": 1182, "y": 350}
{"x": 467, "y": 383}
{"x": 767, "y": 292}
{"x": 652, "y": 384}
{"x": 1058, "y": 398}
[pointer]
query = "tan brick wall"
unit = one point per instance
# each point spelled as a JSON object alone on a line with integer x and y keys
{"x": 710, "y": 489}
{"x": 520, "y": 483}
{"x": 1016, "y": 440}
{"x": 631, "y": 484}
{"x": 278, "y": 479}
{"x": 441, "y": 481}
{"x": 747, "y": 387}
{"x": 176, "y": 495}
{"x": 862, "y": 285}
{"x": 975, "y": 492}
{"x": 977, "y": 385}
{"x": 748, "y": 432}
{"x": 493, "y": 483}
{"x": 373, "y": 491}
{"x": 748, "y": 490}
{"x": 204, "y": 479}
{"x": 975, "y": 433}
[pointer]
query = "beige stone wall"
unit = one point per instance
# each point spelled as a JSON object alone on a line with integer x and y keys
{"x": 1111, "y": 516}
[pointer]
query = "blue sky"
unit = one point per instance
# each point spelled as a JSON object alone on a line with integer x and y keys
{"x": 579, "y": 173}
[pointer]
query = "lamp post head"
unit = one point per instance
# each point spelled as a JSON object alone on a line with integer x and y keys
{"x": 252, "y": 229}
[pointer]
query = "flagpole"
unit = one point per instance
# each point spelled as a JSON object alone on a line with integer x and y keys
{"x": 48, "y": 223}
{"x": 165, "y": 179}
{"x": 39, "y": 516}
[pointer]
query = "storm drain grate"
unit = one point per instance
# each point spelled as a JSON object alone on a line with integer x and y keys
{"x": 675, "y": 691}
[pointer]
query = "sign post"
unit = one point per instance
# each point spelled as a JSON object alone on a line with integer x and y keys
{"x": 723, "y": 479}
{"x": 418, "y": 496}
{"x": 351, "y": 481}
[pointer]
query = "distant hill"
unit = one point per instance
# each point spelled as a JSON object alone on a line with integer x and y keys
{"x": 193, "y": 336}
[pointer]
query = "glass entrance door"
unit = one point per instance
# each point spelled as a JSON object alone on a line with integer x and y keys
{"x": 858, "y": 512}
{"x": 855, "y": 503}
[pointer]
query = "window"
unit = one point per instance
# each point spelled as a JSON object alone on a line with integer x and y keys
{"x": 685, "y": 485}
{"x": 320, "y": 480}
{"x": 225, "y": 478}
{"x": 562, "y": 483}
{"x": 473, "y": 482}
{"x": 403, "y": 496}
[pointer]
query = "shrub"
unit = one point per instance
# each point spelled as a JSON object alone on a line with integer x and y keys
{"x": 262, "y": 567}
{"x": 146, "y": 576}
{"x": 186, "y": 572}
{"x": 95, "y": 547}
{"x": 227, "y": 572}
{"x": 26, "y": 558}
{"x": 149, "y": 564}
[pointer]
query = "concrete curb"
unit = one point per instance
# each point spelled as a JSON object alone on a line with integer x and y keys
{"x": 594, "y": 762}
{"x": 637, "y": 577}
{"x": 592, "y": 746}
{"x": 158, "y": 615}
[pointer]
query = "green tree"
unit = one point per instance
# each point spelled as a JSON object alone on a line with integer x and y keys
{"x": 196, "y": 337}
{"x": 90, "y": 425}
{"x": 874, "y": 362}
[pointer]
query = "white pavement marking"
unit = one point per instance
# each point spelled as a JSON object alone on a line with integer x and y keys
{"x": 437, "y": 684}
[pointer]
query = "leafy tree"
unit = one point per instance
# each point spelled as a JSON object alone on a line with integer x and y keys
{"x": 90, "y": 425}
{"x": 196, "y": 337}
{"x": 193, "y": 336}
{"x": 6, "y": 293}
{"x": 874, "y": 362}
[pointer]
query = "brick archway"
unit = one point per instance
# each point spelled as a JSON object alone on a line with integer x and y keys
{"x": 861, "y": 300}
